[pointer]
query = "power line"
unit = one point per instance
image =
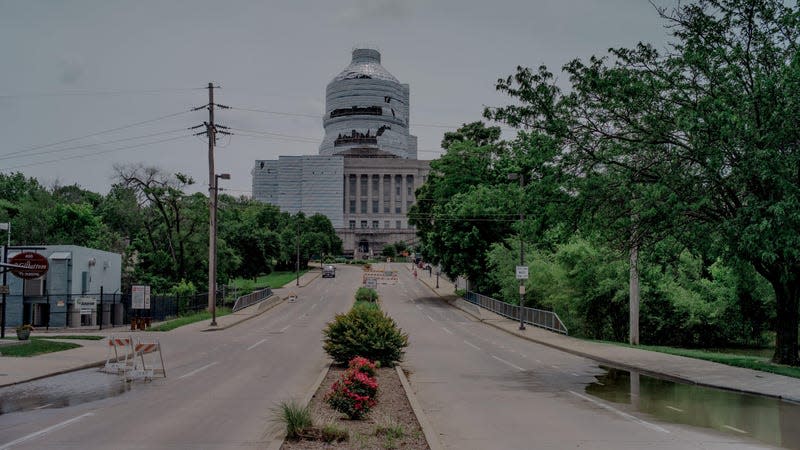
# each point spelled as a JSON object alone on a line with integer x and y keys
{"x": 94, "y": 153}
{"x": 270, "y": 133}
{"x": 91, "y": 145}
{"x": 88, "y": 92}
{"x": 97, "y": 133}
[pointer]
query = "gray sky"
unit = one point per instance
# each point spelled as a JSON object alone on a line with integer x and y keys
{"x": 71, "y": 69}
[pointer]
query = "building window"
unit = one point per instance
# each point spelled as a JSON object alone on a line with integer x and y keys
{"x": 364, "y": 183}
{"x": 385, "y": 224}
{"x": 398, "y": 209}
{"x": 352, "y": 224}
{"x": 374, "y": 224}
{"x": 375, "y": 207}
{"x": 397, "y": 224}
{"x": 352, "y": 206}
{"x": 408, "y": 205}
{"x": 398, "y": 186}
{"x": 352, "y": 190}
{"x": 363, "y": 206}
{"x": 363, "y": 224}
{"x": 376, "y": 186}
{"x": 387, "y": 193}
{"x": 410, "y": 185}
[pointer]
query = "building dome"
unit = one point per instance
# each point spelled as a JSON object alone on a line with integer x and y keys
{"x": 366, "y": 64}
{"x": 367, "y": 108}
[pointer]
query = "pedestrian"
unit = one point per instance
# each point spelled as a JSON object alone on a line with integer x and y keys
{"x": 415, "y": 274}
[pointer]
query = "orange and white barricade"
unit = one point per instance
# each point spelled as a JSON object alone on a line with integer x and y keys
{"x": 119, "y": 355}
{"x": 147, "y": 361}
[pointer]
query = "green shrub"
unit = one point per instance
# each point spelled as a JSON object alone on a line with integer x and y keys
{"x": 296, "y": 417}
{"x": 367, "y": 305}
{"x": 366, "y": 295}
{"x": 331, "y": 432}
{"x": 365, "y": 331}
{"x": 353, "y": 394}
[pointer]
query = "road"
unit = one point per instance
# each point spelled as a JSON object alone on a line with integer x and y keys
{"x": 220, "y": 390}
{"x": 482, "y": 388}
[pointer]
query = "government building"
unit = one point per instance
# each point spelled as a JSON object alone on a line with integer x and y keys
{"x": 366, "y": 171}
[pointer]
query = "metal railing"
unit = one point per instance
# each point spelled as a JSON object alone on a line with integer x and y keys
{"x": 536, "y": 317}
{"x": 252, "y": 298}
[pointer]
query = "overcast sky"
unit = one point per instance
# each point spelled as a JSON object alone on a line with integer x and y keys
{"x": 72, "y": 69}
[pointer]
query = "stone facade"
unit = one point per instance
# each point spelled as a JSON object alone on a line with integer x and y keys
{"x": 367, "y": 170}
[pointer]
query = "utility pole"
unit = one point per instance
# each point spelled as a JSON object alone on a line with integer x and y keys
{"x": 211, "y": 132}
{"x": 297, "y": 266}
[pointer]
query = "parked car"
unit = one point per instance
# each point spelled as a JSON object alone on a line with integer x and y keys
{"x": 329, "y": 272}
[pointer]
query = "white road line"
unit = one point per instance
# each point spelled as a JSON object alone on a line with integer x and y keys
{"x": 597, "y": 382}
{"x": 419, "y": 307}
{"x": 473, "y": 345}
{"x": 314, "y": 305}
{"x": 197, "y": 370}
{"x": 623, "y": 414}
{"x": 574, "y": 374}
{"x": 445, "y": 329}
{"x": 285, "y": 328}
{"x": 429, "y": 317}
{"x": 554, "y": 367}
{"x": 43, "y": 406}
{"x": 256, "y": 344}
{"x": 674, "y": 408}
{"x": 539, "y": 361}
{"x": 734, "y": 429}
{"x": 55, "y": 427}
{"x": 508, "y": 363}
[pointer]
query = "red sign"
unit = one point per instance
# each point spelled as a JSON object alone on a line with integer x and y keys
{"x": 33, "y": 265}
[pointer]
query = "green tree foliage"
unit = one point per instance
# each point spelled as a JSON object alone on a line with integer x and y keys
{"x": 708, "y": 128}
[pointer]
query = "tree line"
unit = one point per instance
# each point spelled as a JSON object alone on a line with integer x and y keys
{"x": 679, "y": 163}
{"x": 161, "y": 230}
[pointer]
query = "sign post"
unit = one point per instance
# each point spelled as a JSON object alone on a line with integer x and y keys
{"x": 140, "y": 297}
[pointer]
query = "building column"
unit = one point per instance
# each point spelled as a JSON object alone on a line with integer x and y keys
{"x": 358, "y": 199}
{"x": 381, "y": 206}
{"x": 404, "y": 192}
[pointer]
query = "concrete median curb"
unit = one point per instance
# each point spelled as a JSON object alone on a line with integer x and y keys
{"x": 430, "y": 434}
{"x": 279, "y": 435}
{"x": 271, "y": 302}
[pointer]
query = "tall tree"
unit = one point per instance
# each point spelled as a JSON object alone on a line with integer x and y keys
{"x": 710, "y": 124}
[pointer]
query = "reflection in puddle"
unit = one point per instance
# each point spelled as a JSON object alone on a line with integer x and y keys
{"x": 766, "y": 419}
{"x": 63, "y": 390}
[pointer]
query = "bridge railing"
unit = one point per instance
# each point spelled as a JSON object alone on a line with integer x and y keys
{"x": 536, "y": 317}
{"x": 252, "y": 298}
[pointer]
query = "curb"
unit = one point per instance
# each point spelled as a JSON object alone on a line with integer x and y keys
{"x": 430, "y": 435}
{"x": 280, "y": 436}
{"x": 625, "y": 366}
{"x": 60, "y": 372}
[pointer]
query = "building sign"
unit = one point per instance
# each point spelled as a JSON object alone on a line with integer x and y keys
{"x": 86, "y": 305}
{"x": 140, "y": 297}
{"x": 33, "y": 265}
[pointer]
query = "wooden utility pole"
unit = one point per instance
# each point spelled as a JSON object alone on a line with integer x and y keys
{"x": 211, "y": 132}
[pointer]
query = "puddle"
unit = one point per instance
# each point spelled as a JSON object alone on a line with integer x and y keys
{"x": 60, "y": 391}
{"x": 768, "y": 420}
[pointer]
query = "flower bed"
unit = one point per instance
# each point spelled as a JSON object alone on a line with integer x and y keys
{"x": 391, "y": 423}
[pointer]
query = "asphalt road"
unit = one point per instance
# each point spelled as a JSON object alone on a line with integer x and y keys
{"x": 221, "y": 387}
{"x": 484, "y": 389}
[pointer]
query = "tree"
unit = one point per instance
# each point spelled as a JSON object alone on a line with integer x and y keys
{"x": 710, "y": 125}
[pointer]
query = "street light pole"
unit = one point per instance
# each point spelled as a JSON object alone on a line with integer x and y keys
{"x": 5, "y": 279}
{"x": 297, "y": 264}
{"x": 514, "y": 176}
{"x": 213, "y": 286}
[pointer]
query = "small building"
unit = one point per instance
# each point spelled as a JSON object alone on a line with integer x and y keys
{"x": 69, "y": 293}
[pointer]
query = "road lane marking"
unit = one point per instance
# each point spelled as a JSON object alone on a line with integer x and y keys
{"x": 574, "y": 374}
{"x": 197, "y": 370}
{"x": 43, "y": 406}
{"x": 539, "y": 361}
{"x": 314, "y": 305}
{"x": 445, "y": 329}
{"x": 554, "y": 367}
{"x": 623, "y": 414}
{"x": 734, "y": 429}
{"x": 285, "y": 328}
{"x": 508, "y": 363}
{"x": 419, "y": 307}
{"x": 429, "y": 317}
{"x": 473, "y": 345}
{"x": 256, "y": 344}
{"x": 674, "y": 408}
{"x": 55, "y": 427}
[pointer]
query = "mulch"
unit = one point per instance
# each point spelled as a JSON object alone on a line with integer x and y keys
{"x": 393, "y": 407}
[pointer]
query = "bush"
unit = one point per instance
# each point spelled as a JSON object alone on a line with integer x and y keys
{"x": 367, "y": 305}
{"x": 366, "y": 295}
{"x": 363, "y": 365}
{"x": 365, "y": 331}
{"x": 353, "y": 394}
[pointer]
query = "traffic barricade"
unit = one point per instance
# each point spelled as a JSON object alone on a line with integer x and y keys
{"x": 148, "y": 362}
{"x": 119, "y": 355}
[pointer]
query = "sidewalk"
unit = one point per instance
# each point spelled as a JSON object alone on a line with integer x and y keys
{"x": 14, "y": 370}
{"x": 677, "y": 368}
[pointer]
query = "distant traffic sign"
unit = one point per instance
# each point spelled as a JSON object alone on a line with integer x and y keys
{"x": 522, "y": 272}
{"x": 4, "y": 289}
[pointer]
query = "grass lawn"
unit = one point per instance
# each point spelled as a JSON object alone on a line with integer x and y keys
{"x": 186, "y": 320}
{"x": 273, "y": 280}
{"x": 37, "y": 346}
{"x": 78, "y": 336}
{"x": 750, "y": 362}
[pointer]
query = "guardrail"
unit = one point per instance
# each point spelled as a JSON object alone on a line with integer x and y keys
{"x": 536, "y": 317}
{"x": 252, "y": 298}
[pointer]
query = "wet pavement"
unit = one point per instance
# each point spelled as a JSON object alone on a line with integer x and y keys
{"x": 769, "y": 420}
{"x": 60, "y": 391}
